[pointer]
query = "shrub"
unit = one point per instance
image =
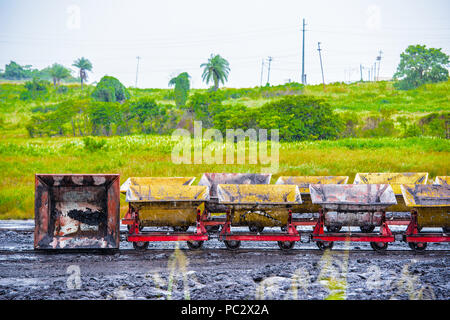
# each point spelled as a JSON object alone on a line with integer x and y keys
{"x": 351, "y": 121}
{"x": 92, "y": 145}
{"x": 36, "y": 89}
{"x": 300, "y": 118}
{"x": 379, "y": 125}
{"x": 62, "y": 89}
{"x": 412, "y": 131}
{"x": 235, "y": 117}
{"x": 436, "y": 124}
{"x": 205, "y": 106}
{"x": 150, "y": 116}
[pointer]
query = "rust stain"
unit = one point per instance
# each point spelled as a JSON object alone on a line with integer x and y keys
{"x": 76, "y": 211}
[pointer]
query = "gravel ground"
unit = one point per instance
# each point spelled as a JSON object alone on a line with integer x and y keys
{"x": 258, "y": 270}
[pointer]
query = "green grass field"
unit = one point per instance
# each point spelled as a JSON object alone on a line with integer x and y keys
{"x": 150, "y": 155}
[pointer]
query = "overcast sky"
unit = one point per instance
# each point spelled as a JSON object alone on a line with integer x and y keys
{"x": 174, "y": 36}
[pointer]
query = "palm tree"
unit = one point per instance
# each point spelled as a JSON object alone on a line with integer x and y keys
{"x": 216, "y": 68}
{"x": 84, "y": 65}
{"x": 58, "y": 72}
{"x": 181, "y": 83}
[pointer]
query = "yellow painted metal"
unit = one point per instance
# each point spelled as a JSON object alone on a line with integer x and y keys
{"x": 167, "y": 214}
{"x": 259, "y": 205}
{"x": 426, "y": 196}
{"x": 432, "y": 203}
{"x": 167, "y": 205}
{"x": 303, "y": 182}
{"x": 260, "y": 217}
{"x": 139, "y": 181}
{"x": 433, "y": 217}
{"x": 442, "y": 180}
{"x": 259, "y": 194}
{"x": 163, "y": 193}
{"x": 394, "y": 179}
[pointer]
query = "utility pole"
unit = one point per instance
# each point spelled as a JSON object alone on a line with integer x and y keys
{"x": 137, "y": 69}
{"x": 262, "y": 71}
{"x": 303, "y": 55}
{"x": 374, "y": 71}
{"x": 268, "y": 72}
{"x": 321, "y": 67}
{"x": 379, "y": 63}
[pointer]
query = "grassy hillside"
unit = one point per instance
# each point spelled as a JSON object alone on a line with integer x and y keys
{"x": 362, "y": 99}
{"x": 370, "y": 96}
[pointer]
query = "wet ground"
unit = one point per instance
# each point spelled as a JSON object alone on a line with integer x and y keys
{"x": 258, "y": 270}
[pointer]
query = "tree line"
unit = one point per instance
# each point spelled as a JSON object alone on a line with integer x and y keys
{"x": 109, "y": 110}
{"x": 55, "y": 73}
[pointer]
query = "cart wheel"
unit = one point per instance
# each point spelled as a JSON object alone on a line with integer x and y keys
{"x": 212, "y": 229}
{"x": 255, "y": 229}
{"x": 367, "y": 229}
{"x": 334, "y": 228}
{"x": 379, "y": 246}
{"x": 446, "y": 229}
{"x": 418, "y": 246}
{"x": 140, "y": 245}
{"x": 194, "y": 245}
{"x": 286, "y": 245}
{"x": 140, "y": 227}
{"x": 180, "y": 229}
{"x": 323, "y": 245}
{"x": 232, "y": 244}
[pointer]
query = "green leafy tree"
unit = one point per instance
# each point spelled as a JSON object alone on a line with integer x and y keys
{"x": 102, "y": 115}
{"x": 109, "y": 89}
{"x": 14, "y": 71}
{"x": 419, "y": 65}
{"x": 300, "y": 118}
{"x": 204, "y": 106}
{"x": 216, "y": 69}
{"x": 182, "y": 86}
{"x": 84, "y": 65}
{"x": 58, "y": 72}
{"x": 150, "y": 116}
